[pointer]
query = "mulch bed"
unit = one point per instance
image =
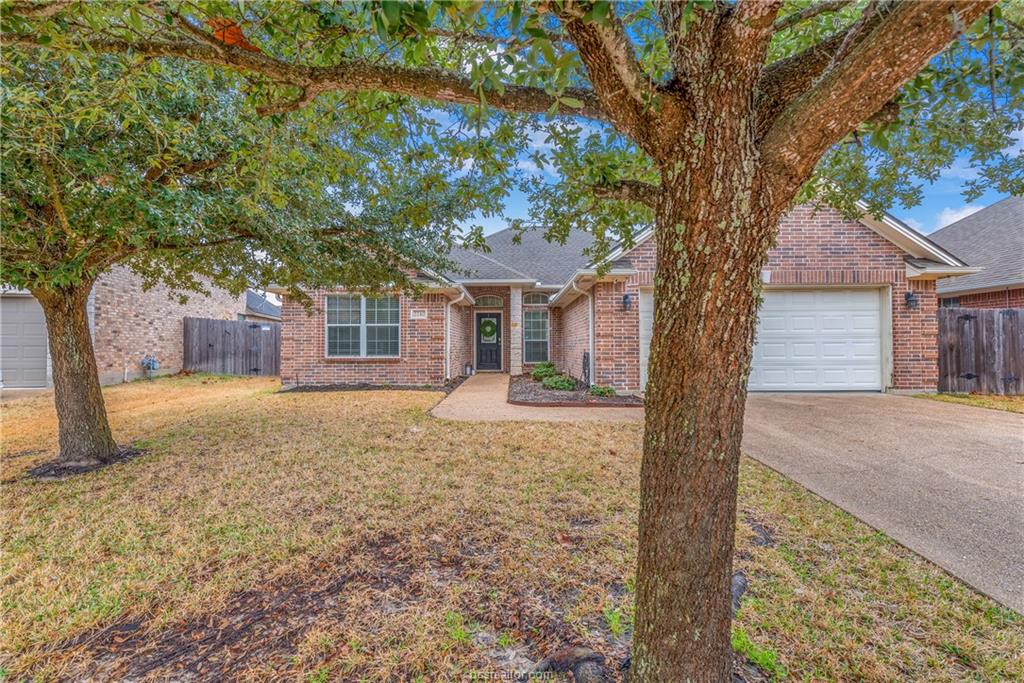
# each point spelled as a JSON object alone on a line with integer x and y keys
{"x": 524, "y": 391}
{"x": 447, "y": 388}
{"x": 55, "y": 470}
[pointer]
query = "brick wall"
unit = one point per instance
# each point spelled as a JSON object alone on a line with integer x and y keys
{"x": 129, "y": 323}
{"x": 461, "y": 336}
{"x": 1006, "y": 298}
{"x": 421, "y": 359}
{"x": 812, "y": 248}
{"x": 574, "y": 336}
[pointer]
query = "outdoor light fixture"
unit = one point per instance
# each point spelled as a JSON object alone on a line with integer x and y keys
{"x": 627, "y": 302}
{"x": 911, "y": 300}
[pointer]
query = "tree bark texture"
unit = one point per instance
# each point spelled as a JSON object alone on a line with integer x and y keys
{"x": 84, "y": 432}
{"x": 713, "y": 231}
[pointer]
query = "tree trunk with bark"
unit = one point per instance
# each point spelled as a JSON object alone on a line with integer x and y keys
{"x": 84, "y": 432}
{"x": 713, "y": 232}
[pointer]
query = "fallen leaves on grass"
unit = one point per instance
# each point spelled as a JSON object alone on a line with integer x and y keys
{"x": 351, "y": 535}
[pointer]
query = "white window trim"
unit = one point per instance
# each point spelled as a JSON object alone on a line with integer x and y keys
{"x": 537, "y": 308}
{"x": 362, "y": 328}
{"x": 547, "y": 299}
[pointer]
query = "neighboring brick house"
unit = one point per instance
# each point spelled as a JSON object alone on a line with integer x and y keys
{"x": 127, "y": 323}
{"x": 848, "y": 305}
{"x": 992, "y": 238}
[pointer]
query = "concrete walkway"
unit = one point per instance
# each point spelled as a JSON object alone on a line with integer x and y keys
{"x": 484, "y": 398}
{"x": 945, "y": 480}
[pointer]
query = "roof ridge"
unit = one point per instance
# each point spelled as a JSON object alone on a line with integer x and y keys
{"x": 504, "y": 265}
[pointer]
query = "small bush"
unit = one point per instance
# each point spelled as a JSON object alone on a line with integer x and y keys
{"x": 543, "y": 370}
{"x": 602, "y": 391}
{"x": 560, "y": 383}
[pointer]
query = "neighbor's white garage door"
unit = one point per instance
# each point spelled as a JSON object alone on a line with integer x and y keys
{"x": 818, "y": 340}
{"x": 807, "y": 340}
{"x": 22, "y": 342}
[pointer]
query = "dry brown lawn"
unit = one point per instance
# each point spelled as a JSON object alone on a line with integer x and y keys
{"x": 1013, "y": 404}
{"x": 327, "y": 536}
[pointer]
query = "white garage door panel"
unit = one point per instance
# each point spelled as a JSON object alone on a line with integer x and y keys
{"x": 818, "y": 340}
{"x": 22, "y": 342}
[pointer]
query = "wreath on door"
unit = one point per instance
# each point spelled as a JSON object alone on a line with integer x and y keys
{"x": 488, "y": 328}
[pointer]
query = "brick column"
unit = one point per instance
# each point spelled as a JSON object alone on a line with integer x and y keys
{"x": 515, "y": 301}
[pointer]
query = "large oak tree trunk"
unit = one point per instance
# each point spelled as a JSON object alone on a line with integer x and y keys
{"x": 713, "y": 232}
{"x": 84, "y": 432}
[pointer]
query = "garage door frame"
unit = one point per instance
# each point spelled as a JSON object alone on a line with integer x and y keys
{"x": 885, "y": 325}
{"x": 22, "y": 294}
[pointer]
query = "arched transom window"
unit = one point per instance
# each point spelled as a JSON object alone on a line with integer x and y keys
{"x": 488, "y": 301}
{"x": 535, "y": 299}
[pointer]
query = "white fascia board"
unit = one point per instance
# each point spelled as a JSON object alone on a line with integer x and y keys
{"x": 936, "y": 272}
{"x": 592, "y": 274}
{"x": 906, "y": 238}
{"x": 480, "y": 283}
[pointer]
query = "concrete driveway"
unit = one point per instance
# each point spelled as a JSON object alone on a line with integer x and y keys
{"x": 946, "y": 481}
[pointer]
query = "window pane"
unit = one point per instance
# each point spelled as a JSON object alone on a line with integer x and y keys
{"x": 535, "y": 326}
{"x": 488, "y": 301}
{"x": 343, "y": 310}
{"x": 342, "y": 341}
{"x": 382, "y": 311}
{"x": 382, "y": 340}
{"x": 536, "y": 352}
{"x": 535, "y": 298}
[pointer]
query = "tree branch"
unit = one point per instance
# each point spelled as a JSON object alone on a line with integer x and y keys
{"x": 629, "y": 191}
{"x": 853, "y": 90}
{"x": 163, "y": 173}
{"x": 354, "y": 75}
{"x": 809, "y": 12}
{"x": 622, "y": 87}
{"x": 787, "y": 79}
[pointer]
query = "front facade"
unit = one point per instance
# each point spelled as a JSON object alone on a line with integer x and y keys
{"x": 127, "y": 323}
{"x": 848, "y": 305}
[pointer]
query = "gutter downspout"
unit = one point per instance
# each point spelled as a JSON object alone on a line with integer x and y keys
{"x": 590, "y": 325}
{"x": 448, "y": 335}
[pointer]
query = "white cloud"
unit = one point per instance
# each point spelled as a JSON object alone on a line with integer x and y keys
{"x": 960, "y": 170}
{"x": 952, "y": 215}
{"x": 914, "y": 223}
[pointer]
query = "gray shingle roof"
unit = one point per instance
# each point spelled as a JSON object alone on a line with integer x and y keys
{"x": 993, "y": 239}
{"x": 257, "y": 304}
{"x": 549, "y": 263}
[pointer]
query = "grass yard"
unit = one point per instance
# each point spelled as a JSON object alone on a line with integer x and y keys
{"x": 325, "y": 536}
{"x": 1013, "y": 404}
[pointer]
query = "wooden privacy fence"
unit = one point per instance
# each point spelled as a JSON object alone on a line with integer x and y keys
{"x": 981, "y": 350}
{"x": 232, "y": 347}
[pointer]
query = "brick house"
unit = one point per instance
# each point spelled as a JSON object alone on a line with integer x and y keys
{"x": 992, "y": 238}
{"x": 127, "y": 323}
{"x": 848, "y": 305}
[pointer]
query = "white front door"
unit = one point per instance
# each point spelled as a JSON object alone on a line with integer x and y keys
{"x": 818, "y": 340}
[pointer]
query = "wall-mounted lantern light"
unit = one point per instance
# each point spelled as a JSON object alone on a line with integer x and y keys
{"x": 911, "y": 299}
{"x": 627, "y": 302}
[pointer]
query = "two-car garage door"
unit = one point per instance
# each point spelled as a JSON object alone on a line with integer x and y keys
{"x": 808, "y": 340}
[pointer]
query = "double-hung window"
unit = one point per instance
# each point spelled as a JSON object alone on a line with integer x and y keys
{"x": 361, "y": 327}
{"x": 535, "y": 336}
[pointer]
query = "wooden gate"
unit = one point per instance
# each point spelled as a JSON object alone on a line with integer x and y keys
{"x": 232, "y": 347}
{"x": 981, "y": 350}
